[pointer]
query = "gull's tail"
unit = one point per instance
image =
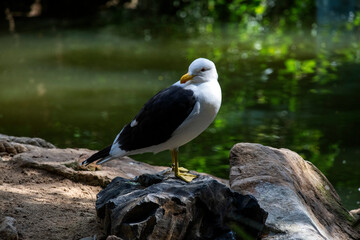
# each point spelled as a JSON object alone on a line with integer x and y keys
{"x": 104, "y": 155}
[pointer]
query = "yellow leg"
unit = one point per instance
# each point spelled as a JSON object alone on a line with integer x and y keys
{"x": 174, "y": 155}
{"x": 181, "y": 173}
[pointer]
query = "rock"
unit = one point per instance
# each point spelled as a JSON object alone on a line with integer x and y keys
{"x": 301, "y": 202}
{"x": 65, "y": 162}
{"x": 38, "y": 142}
{"x": 8, "y": 230}
{"x": 7, "y": 148}
{"x": 156, "y": 207}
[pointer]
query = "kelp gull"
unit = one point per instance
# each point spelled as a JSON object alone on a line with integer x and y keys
{"x": 171, "y": 118}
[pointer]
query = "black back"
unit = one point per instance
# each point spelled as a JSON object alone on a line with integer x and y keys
{"x": 158, "y": 119}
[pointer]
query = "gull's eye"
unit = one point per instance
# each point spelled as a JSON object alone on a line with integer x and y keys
{"x": 203, "y": 69}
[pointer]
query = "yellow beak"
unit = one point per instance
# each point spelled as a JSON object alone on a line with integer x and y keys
{"x": 186, "y": 78}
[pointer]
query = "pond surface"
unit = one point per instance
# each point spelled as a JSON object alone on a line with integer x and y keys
{"x": 296, "y": 91}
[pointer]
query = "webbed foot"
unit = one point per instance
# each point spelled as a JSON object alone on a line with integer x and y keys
{"x": 187, "y": 177}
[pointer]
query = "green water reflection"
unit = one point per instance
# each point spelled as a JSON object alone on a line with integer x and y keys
{"x": 78, "y": 88}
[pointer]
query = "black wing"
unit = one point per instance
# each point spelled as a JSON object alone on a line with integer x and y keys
{"x": 158, "y": 119}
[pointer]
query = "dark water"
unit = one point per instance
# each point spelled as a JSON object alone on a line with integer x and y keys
{"x": 297, "y": 91}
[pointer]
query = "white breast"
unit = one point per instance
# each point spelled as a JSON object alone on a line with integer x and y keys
{"x": 208, "y": 103}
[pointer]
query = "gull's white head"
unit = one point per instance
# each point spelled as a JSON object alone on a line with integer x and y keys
{"x": 200, "y": 70}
